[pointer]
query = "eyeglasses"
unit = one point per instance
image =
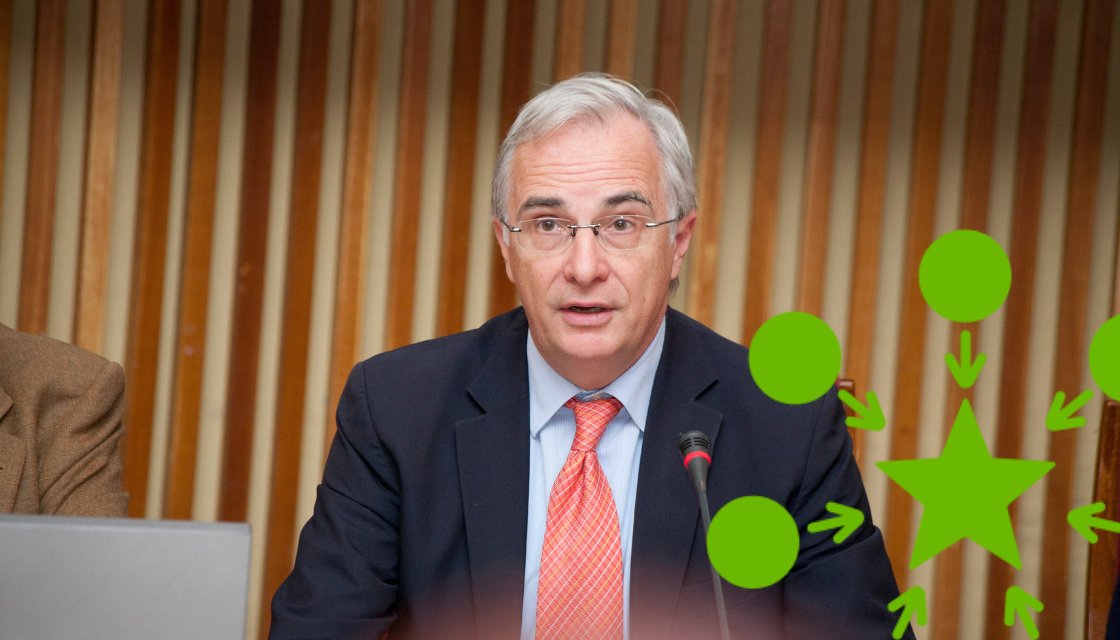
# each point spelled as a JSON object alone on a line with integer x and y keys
{"x": 617, "y": 233}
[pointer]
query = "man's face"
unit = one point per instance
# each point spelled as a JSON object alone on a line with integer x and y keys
{"x": 592, "y": 311}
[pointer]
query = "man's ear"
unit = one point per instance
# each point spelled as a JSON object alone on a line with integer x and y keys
{"x": 684, "y": 236}
{"x": 499, "y": 228}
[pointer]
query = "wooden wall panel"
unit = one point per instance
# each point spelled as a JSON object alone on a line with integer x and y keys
{"x": 42, "y": 166}
{"x": 99, "y": 174}
{"x": 767, "y": 175}
{"x": 975, "y": 197}
{"x": 571, "y": 29}
{"x": 353, "y": 229}
{"x": 817, "y": 196}
{"x": 1072, "y": 347}
{"x": 459, "y": 195}
{"x": 672, "y": 21}
{"x": 1027, "y": 198}
{"x": 146, "y": 299}
{"x": 296, "y": 319}
{"x": 621, "y": 37}
{"x": 983, "y": 104}
{"x": 256, "y": 182}
{"x": 517, "y": 79}
{"x": 186, "y": 401}
{"x": 926, "y": 160}
{"x": 409, "y": 169}
{"x": 1116, "y": 274}
{"x": 712, "y": 162}
{"x": 870, "y": 192}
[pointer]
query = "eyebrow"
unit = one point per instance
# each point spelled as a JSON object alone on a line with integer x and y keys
{"x": 611, "y": 201}
{"x": 535, "y": 202}
{"x": 629, "y": 196}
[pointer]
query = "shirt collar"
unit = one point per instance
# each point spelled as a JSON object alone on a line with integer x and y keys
{"x": 548, "y": 390}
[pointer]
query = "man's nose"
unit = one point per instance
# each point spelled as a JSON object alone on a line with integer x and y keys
{"x": 585, "y": 261}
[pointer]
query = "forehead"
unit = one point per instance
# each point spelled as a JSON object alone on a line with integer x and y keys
{"x": 588, "y": 159}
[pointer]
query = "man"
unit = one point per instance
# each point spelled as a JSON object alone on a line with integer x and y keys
{"x": 60, "y": 425}
{"x": 523, "y": 479}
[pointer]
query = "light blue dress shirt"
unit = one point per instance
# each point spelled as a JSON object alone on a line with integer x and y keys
{"x": 552, "y": 427}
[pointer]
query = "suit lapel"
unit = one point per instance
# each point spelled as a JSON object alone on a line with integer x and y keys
{"x": 493, "y": 457}
{"x": 5, "y": 404}
{"x": 11, "y": 460}
{"x": 666, "y": 512}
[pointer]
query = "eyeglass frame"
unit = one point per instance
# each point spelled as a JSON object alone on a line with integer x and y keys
{"x": 594, "y": 229}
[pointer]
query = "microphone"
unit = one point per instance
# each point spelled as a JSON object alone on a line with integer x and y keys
{"x": 695, "y": 448}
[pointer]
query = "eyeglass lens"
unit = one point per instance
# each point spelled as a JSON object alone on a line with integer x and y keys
{"x": 621, "y": 233}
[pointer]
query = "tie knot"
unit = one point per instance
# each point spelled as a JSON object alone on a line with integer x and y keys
{"x": 591, "y": 420}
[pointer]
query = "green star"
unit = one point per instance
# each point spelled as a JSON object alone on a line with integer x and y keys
{"x": 965, "y": 492}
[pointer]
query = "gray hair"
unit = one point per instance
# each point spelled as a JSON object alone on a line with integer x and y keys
{"x": 598, "y": 97}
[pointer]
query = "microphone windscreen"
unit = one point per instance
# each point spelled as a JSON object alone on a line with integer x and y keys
{"x": 694, "y": 441}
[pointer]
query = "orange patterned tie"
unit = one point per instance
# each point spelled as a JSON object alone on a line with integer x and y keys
{"x": 580, "y": 591}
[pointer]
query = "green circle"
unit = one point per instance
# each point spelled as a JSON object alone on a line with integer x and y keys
{"x": 753, "y": 542}
{"x": 795, "y": 357}
{"x": 964, "y": 275}
{"x": 1104, "y": 357}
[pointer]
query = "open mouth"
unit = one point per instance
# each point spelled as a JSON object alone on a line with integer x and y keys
{"x": 585, "y": 309}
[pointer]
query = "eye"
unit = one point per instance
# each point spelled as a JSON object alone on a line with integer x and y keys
{"x": 547, "y": 225}
{"x": 621, "y": 224}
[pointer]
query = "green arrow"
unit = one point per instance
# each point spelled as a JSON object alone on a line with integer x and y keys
{"x": 1082, "y": 520}
{"x": 1021, "y": 602}
{"x": 848, "y": 520}
{"x": 1058, "y": 418}
{"x": 915, "y": 602}
{"x": 872, "y": 419}
{"x": 965, "y": 371}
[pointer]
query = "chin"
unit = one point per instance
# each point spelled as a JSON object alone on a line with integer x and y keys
{"x": 580, "y": 347}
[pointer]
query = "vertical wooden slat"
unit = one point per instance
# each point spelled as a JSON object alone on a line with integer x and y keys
{"x": 517, "y": 70}
{"x": 571, "y": 28}
{"x": 620, "y": 39}
{"x": 975, "y": 195}
{"x": 1116, "y": 273}
{"x": 1027, "y": 199}
{"x": 256, "y": 180}
{"x": 713, "y": 159}
{"x": 145, "y": 306}
{"x": 353, "y": 227}
{"x": 1103, "y": 556}
{"x": 517, "y": 76}
{"x": 463, "y": 121}
{"x": 869, "y": 200}
{"x": 1084, "y": 169}
{"x": 409, "y": 170}
{"x": 296, "y": 324}
{"x": 982, "y": 108}
{"x": 671, "y": 23}
{"x": 821, "y": 152}
{"x": 767, "y": 171}
{"x": 99, "y": 174}
{"x": 922, "y": 208}
{"x": 206, "y": 115}
{"x": 42, "y": 166}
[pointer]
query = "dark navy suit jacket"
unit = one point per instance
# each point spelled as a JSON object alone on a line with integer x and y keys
{"x": 420, "y": 522}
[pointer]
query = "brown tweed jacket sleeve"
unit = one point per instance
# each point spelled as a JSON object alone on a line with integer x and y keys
{"x": 60, "y": 427}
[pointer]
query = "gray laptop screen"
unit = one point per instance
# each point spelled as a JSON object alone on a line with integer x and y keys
{"x": 94, "y": 578}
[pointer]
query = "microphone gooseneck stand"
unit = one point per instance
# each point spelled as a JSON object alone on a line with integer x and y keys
{"x": 695, "y": 448}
